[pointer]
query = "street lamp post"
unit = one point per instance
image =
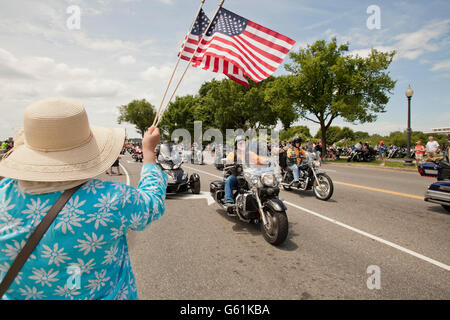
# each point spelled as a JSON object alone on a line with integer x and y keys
{"x": 409, "y": 93}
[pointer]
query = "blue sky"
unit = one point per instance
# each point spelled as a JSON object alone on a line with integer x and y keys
{"x": 125, "y": 49}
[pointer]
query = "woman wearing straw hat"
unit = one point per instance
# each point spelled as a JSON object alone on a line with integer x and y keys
{"x": 50, "y": 174}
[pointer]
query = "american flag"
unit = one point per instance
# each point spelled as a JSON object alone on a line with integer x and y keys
{"x": 236, "y": 47}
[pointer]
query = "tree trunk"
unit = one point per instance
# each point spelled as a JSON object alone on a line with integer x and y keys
{"x": 323, "y": 139}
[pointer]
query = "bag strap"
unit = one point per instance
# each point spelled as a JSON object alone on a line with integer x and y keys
{"x": 34, "y": 239}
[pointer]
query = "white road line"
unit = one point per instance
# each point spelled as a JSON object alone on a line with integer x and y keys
{"x": 126, "y": 173}
{"x": 371, "y": 236}
{"x": 363, "y": 233}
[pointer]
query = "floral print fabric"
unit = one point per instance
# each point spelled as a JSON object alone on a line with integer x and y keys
{"x": 84, "y": 253}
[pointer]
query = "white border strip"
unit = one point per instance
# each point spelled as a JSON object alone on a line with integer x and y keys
{"x": 363, "y": 233}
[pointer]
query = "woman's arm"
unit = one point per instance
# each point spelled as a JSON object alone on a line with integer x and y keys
{"x": 146, "y": 203}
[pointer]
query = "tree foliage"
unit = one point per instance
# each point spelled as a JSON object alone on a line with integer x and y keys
{"x": 181, "y": 114}
{"x": 288, "y": 134}
{"x": 141, "y": 113}
{"x": 326, "y": 83}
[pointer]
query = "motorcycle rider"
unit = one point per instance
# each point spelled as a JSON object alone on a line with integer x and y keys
{"x": 294, "y": 159}
{"x": 239, "y": 155}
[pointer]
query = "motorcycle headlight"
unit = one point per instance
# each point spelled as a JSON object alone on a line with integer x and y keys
{"x": 176, "y": 166}
{"x": 165, "y": 166}
{"x": 269, "y": 180}
{"x": 279, "y": 178}
{"x": 171, "y": 178}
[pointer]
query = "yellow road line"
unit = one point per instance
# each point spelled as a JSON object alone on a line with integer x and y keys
{"x": 380, "y": 190}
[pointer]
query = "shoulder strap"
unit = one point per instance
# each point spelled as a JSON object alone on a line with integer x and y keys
{"x": 34, "y": 239}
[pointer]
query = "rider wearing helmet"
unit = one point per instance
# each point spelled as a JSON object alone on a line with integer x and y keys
{"x": 294, "y": 157}
{"x": 240, "y": 155}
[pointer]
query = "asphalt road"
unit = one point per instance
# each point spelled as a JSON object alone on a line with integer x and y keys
{"x": 375, "y": 218}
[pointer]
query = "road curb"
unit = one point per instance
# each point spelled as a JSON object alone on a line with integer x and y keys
{"x": 371, "y": 167}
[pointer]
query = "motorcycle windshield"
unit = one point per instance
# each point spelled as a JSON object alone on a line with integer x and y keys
{"x": 168, "y": 153}
{"x": 260, "y": 170}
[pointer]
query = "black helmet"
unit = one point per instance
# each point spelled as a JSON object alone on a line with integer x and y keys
{"x": 296, "y": 139}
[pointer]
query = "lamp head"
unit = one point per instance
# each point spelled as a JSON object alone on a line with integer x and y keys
{"x": 409, "y": 92}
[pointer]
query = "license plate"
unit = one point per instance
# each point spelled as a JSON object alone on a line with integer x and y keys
{"x": 433, "y": 172}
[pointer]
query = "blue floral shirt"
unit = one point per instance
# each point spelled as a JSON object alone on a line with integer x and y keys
{"x": 84, "y": 253}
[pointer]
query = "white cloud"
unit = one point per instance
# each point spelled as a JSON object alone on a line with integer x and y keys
{"x": 441, "y": 66}
{"x": 156, "y": 73}
{"x": 127, "y": 60}
{"x": 407, "y": 45}
{"x": 413, "y": 45}
{"x": 166, "y": 1}
{"x": 38, "y": 68}
{"x": 91, "y": 88}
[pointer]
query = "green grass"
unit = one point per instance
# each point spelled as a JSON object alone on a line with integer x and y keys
{"x": 377, "y": 163}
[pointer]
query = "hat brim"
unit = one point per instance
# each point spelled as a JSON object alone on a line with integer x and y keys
{"x": 84, "y": 162}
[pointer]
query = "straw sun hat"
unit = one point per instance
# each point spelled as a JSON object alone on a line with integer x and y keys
{"x": 58, "y": 144}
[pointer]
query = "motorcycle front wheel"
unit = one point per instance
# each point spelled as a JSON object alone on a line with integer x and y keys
{"x": 277, "y": 230}
{"x": 323, "y": 187}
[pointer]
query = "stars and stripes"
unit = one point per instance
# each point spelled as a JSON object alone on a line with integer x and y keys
{"x": 236, "y": 47}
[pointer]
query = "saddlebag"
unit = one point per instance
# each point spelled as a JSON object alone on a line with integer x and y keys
{"x": 444, "y": 172}
{"x": 429, "y": 169}
{"x": 216, "y": 186}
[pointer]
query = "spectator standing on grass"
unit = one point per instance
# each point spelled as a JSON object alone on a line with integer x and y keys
{"x": 432, "y": 148}
{"x": 381, "y": 150}
{"x": 57, "y": 151}
{"x": 419, "y": 151}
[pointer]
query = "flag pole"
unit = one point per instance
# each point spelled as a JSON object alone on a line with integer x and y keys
{"x": 190, "y": 61}
{"x": 178, "y": 61}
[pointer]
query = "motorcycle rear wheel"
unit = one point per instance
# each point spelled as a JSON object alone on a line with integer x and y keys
{"x": 326, "y": 182}
{"x": 195, "y": 189}
{"x": 278, "y": 229}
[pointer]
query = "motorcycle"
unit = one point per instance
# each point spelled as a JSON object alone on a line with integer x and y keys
{"x": 221, "y": 153}
{"x": 358, "y": 155}
{"x": 178, "y": 181}
{"x": 310, "y": 178}
{"x": 137, "y": 155}
{"x": 197, "y": 156}
{"x": 256, "y": 200}
{"x": 438, "y": 192}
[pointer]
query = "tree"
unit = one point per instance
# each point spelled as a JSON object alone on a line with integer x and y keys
{"x": 347, "y": 134}
{"x": 141, "y": 113}
{"x": 302, "y": 131}
{"x": 361, "y": 135}
{"x": 327, "y": 83}
{"x": 333, "y": 134}
{"x": 181, "y": 114}
{"x": 281, "y": 95}
{"x": 230, "y": 105}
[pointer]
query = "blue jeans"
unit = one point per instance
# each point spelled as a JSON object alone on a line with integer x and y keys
{"x": 230, "y": 184}
{"x": 295, "y": 172}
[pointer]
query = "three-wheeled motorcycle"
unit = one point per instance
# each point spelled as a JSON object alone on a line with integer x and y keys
{"x": 170, "y": 161}
{"x": 438, "y": 192}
